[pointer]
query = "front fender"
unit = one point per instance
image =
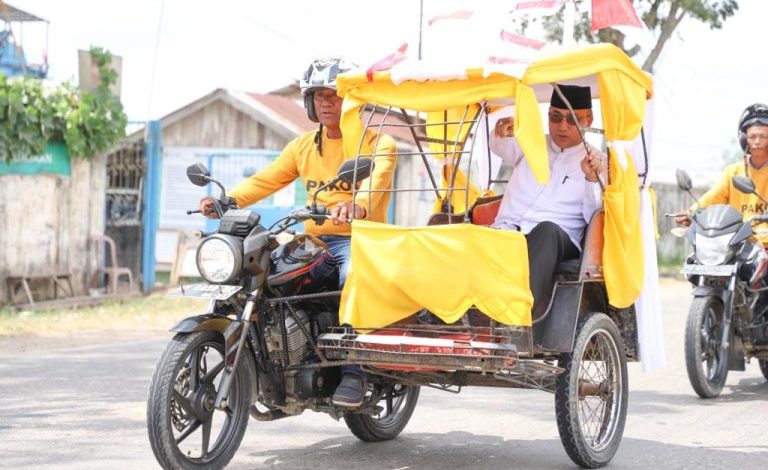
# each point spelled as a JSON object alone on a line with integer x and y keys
{"x": 707, "y": 291}
{"x": 204, "y": 322}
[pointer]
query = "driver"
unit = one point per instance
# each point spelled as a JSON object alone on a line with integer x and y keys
{"x": 315, "y": 157}
{"x": 753, "y": 138}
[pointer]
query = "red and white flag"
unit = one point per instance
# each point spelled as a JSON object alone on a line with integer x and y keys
{"x": 387, "y": 62}
{"x": 613, "y": 14}
{"x": 537, "y": 7}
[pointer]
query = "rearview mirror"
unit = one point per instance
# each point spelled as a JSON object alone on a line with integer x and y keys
{"x": 198, "y": 174}
{"x": 683, "y": 180}
{"x": 743, "y": 184}
{"x": 347, "y": 170}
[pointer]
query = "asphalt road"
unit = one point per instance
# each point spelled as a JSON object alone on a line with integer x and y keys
{"x": 79, "y": 403}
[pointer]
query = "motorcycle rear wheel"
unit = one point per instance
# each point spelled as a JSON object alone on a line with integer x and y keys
{"x": 705, "y": 361}
{"x": 181, "y": 420}
{"x": 399, "y": 403}
{"x": 764, "y": 367}
{"x": 591, "y": 394}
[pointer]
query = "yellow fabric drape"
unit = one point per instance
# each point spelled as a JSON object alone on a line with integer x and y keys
{"x": 623, "y": 265}
{"x": 396, "y": 271}
{"x": 530, "y": 133}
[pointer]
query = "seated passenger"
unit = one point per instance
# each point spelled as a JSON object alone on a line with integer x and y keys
{"x": 553, "y": 215}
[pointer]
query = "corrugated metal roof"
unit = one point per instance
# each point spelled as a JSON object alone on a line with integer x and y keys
{"x": 14, "y": 14}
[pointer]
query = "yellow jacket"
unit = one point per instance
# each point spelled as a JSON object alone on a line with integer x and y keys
{"x": 301, "y": 159}
{"x": 723, "y": 192}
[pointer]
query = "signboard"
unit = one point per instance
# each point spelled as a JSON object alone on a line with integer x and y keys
{"x": 54, "y": 160}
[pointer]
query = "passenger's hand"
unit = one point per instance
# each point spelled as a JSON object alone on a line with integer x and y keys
{"x": 343, "y": 212}
{"x": 207, "y": 208}
{"x": 683, "y": 219}
{"x": 505, "y": 127}
{"x": 592, "y": 164}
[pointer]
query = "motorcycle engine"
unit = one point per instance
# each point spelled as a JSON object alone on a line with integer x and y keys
{"x": 296, "y": 341}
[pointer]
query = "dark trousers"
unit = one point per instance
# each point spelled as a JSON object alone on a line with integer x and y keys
{"x": 548, "y": 245}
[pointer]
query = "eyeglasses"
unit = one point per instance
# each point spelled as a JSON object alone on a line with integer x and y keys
{"x": 557, "y": 118}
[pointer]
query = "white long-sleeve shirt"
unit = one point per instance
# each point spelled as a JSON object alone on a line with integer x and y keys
{"x": 567, "y": 199}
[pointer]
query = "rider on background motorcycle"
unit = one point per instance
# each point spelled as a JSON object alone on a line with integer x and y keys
{"x": 753, "y": 138}
{"x": 315, "y": 157}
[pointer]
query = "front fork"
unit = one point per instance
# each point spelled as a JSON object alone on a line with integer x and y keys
{"x": 725, "y": 340}
{"x": 234, "y": 341}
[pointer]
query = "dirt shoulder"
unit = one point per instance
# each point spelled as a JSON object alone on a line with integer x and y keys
{"x": 130, "y": 319}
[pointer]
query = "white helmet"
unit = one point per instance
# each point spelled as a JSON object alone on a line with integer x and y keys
{"x": 321, "y": 74}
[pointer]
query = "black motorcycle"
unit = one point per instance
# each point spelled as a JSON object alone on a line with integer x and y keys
{"x": 254, "y": 352}
{"x": 728, "y": 319}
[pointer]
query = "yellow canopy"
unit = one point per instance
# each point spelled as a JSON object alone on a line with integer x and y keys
{"x": 621, "y": 86}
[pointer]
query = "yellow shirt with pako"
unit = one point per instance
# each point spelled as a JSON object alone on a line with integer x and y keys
{"x": 301, "y": 159}
{"x": 724, "y": 192}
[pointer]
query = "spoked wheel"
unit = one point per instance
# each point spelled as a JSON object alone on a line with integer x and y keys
{"x": 764, "y": 367}
{"x": 398, "y": 403}
{"x": 705, "y": 360}
{"x": 185, "y": 429}
{"x": 591, "y": 395}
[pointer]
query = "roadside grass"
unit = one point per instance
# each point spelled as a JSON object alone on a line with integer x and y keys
{"x": 154, "y": 312}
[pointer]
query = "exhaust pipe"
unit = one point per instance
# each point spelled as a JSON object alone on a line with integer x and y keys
{"x": 270, "y": 415}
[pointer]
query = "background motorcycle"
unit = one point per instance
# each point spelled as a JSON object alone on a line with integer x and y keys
{"x": 254, "y": 351}
{"x": 728, "y": 319}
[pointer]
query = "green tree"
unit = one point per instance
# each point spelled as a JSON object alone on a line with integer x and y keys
{"x": 31, "y": 115}
{"x": 661, "y": 17}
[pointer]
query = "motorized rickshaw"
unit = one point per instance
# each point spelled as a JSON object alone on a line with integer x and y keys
{"x": 276, "y": 348}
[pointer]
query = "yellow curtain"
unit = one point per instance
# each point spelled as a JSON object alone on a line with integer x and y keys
{"x": 396, "y": 271}
{"x": 623, "y": 110}
{"x": 623, "y": 247}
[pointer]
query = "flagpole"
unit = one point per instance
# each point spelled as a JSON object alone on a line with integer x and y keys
{"x": 421, "y": 24}
{"x": 569, "y": 22}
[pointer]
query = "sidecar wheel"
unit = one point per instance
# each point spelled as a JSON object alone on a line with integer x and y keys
{"x": 399, "y": 403}
{"x": 185, "y": 431}
{"x": 705, "y": 361}
{"x": 764, "y": 367}
{"x": 591, "y": 395}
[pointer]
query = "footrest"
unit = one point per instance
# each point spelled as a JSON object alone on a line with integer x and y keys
{"x": 426, "y": 347}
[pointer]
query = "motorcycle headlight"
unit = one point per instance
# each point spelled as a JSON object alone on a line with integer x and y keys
{"x": 220, "y": 259}
{"x": 713, "y": 251}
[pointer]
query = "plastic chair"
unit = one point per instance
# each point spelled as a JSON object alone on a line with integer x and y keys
{"x": 104, "y": 250}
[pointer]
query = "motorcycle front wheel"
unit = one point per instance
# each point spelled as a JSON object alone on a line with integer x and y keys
{"x": 398, "y": 404}
{"x": 185, "y": 430}
{"x": 591, "y": 395}
{"x": 705, "y": 360}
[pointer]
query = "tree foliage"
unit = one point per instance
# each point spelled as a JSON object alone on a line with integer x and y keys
{"x": 661, "y": 17}
{"x": 32, "y": 114}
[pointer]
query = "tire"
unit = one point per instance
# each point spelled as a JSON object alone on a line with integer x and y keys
{"x": 399, "y": 402}
{"x": 177, "y": 406}
{"x": 591, "y": 394}
{"x": 706, "y": 363}
{"x": 764, "y": 367}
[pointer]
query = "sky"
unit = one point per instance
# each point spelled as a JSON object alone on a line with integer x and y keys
{"x": 175, "y": 51}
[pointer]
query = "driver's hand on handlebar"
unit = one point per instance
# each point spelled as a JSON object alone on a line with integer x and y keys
{"x": 207, "y": 208}
{"x": 342, "y": 213}
{"x": 683, "y": 219}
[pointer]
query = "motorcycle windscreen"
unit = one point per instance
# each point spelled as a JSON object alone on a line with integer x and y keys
{"x": 396, "y": 271}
